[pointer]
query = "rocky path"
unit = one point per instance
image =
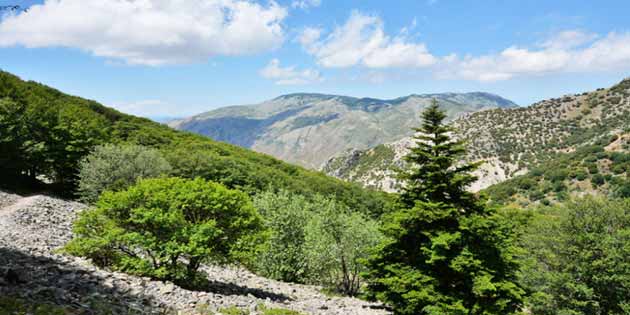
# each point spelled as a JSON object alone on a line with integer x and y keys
{"x": 32, "y": 229}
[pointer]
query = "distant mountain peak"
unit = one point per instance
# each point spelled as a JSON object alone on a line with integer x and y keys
{"x": 304, "y": 95}
{"x": 309, "y": 128}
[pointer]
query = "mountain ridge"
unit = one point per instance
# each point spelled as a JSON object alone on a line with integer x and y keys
{"x": 309, "y": 128}
{"x": 511, "y": 141}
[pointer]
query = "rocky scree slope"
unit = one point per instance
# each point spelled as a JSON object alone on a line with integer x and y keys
{"x": 33, "y": 229}
{"x": 509, "y": 140}
{"x": 308, "y": 129}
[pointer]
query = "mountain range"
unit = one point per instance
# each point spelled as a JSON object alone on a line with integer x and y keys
{"x": 577, "y": 130}
{"x": 309, "y": 129}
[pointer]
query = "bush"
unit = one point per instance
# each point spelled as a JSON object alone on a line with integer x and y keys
{"x": 621, "y": 188}
{"x": 116, "y": 167}
{"x": 619, "y": 169}
{"x": 337, "y": 243}
{"x": 165, "y": 228}
{"x": 593, "y": 169}
{"x": 319, "y": 242}
{"x": 577, "y": 258}
{"x": 598, "y": 180}
{"x": 559, "y": 187}
{"x": 581, "y": 175}
{"x": 285, "y": 215}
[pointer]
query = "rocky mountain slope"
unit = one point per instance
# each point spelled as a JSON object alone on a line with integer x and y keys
{"x": 601, "y": 169}
{"x": 32, "y": 229}
{"x": 509, "y": 140}
{"x": 308, "y": 129}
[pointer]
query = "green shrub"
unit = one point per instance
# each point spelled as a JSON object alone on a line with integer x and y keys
{"x": 526, "y": 183}
{"x": 581, "y": 175}
{"x": 10, "y": 306}
{"x": 536, "y": 172}
{"x": 319, "y": 242}
{"x": 233, "y": 310}
{"x": 116, "y": 167}
{"x": 598, "y": 180}
{"x": 285, "y": 215}
{"x": 559, "y": 187}
{"x": 592, "y": 169}
{"x": 260, "y": 309}
{"x": 337, "y": 243}
{"x": 621, "y": 188}
{"x": 277, "y": 311}
{"x": 165, "y": 228}
{"x": 536, "y": 195}
{"x": 618, "y": 169}
{"x": 576, "y": 259}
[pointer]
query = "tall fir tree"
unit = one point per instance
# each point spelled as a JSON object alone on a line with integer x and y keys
{"x": 446, "y": 252}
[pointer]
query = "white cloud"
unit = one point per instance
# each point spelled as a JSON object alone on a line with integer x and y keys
{"x": 569, "y": 39}
{"x": 362, "y": 41}
{"x": 305, "y": 4}
{"x": 149, "y": 108}
{"x": 148, "y": 32}
{"x": 567, "y": 52}
{"x": 309, "y": 36}
{"x": 289, "y": 75}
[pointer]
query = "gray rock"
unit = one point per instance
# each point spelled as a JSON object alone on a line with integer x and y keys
{"x": 32, "y": 229}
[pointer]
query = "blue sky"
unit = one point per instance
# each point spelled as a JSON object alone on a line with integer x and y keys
{"x": 181, "y": 57}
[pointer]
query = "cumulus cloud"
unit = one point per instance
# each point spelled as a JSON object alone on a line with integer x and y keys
{"x": 362, "y": 41}
{"x": 567, "y": 52}
{"x": 309, "y": 37}
{"x": 148, "y": 108}
{"x": 305, "y": 4}
{"x": 569, "y": 39}
{"x": 148, "y": 32}
{"x": 289, "y": 75}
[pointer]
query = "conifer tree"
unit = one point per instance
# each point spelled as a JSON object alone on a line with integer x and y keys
{"x": 446, "y": 253}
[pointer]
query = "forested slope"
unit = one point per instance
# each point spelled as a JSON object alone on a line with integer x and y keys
{"x": 44, "y": 133}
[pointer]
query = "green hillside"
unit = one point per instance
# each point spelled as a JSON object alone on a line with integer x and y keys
{"x": 510, "y": 141}
{"x": 44, "y": 133}
{"x": 598, "y": 169}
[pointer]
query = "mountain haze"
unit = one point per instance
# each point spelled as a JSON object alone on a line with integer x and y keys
{"x": 308, "y": 129}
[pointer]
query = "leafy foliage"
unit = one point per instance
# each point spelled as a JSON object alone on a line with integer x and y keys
{"x": 116, "y": 167}
{"x": 42, "y": 140}
{"x": 446, "y": 253}
{"x": 284, "y": 256}
{"x": 166, "y": 228}
{"x": 578, "y": 258}
{"x": 337, "y": 243}
{"x": 319, "y": 241}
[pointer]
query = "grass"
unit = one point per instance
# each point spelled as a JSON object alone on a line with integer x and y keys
{"x": 233, "y": 310}
{"x": 15, "y": 306}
